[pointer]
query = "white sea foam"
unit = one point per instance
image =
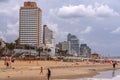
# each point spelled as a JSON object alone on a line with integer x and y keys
{"x": 114, "y": 78}
{"x": 107, "y": 75}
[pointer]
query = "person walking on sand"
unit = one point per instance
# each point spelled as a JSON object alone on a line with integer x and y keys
{"x": 41, "y": 71}
{"x": 114, "y": 64}
{"x": 6, "y": 62}
{"x": 48, "y": 74}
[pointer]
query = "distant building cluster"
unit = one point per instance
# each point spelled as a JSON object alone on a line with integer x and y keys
{"x": 73, "y": 48}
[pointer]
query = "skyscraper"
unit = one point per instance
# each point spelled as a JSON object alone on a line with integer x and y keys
{"x": 85, "y": 51}
{"x": 48, "y": 38}
{"x": 30, "y": 24}
{"x": 74, "y": 41}
{"x": 66, "y": 46}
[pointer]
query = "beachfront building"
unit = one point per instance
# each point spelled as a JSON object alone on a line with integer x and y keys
{"x": 66, "y": 47}
{"x": 49, "y": 39}
{"x": 2, "y": 43}
{"x": 95, "y": 56}
{"x": 63, "y": 48}
{"x": 30, "y": 24}
{"x": 74, "y": 41}
{"x": 58, "y": 47}
{"x": 85, "y": 51}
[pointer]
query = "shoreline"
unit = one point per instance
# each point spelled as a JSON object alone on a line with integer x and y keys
{"x": 60, "y": 70}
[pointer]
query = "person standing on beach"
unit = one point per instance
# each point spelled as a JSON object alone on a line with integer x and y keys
{"x": 6, "y": 62}
{"x": 41, "y": 71}
{"x": 48, "y": 74}
{"x": 114, "y": 64}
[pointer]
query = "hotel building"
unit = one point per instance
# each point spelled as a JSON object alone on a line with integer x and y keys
{"x": 30, "y": 24}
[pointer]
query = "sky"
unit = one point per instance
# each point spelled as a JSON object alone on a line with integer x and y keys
{"x": 94, "y": 22}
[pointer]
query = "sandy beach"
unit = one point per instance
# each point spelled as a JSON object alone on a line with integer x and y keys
{"x": 26, "y": 70}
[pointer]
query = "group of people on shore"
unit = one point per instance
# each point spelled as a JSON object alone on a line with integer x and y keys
{"x": 8, "y": 61}
{"x": 48, "y": 72}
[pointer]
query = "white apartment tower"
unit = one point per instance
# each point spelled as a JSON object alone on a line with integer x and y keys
{"x": 30, "y": 24}
{"x": 49, "y": 39}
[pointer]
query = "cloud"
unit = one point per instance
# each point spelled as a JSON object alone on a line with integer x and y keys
{"x": 1, "y": 1}
{"x": 10, "y": 9}
{"x": 86, "y": 11}
{"x": 11, "y": 32}
{"x": 116, "y": 31}
{"x": 87, "y": 30}
{"x": 12, "y": 29}
{"x": 58, "y": 34}
{"x": 2, "y": 35}
{"x": 53, "y": 27}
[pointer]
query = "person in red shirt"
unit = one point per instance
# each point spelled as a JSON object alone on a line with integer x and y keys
{"x": 41, "y": 71}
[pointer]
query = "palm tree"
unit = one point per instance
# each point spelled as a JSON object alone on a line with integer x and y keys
{"x": 47, "y": 50}
{"x": 27, "y": 47}
{"x": 10, "y": 46}
{"x": 2, "y": 51}
{"x": 59, "y": 52}
{"x": 40, "y": 49}
{"x": 65, "y": 52}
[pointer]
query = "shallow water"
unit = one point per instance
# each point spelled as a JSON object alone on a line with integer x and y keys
{"x": 107, "y": 75}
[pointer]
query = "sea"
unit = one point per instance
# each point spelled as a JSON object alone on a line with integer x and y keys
{"x": 107, "y": 75}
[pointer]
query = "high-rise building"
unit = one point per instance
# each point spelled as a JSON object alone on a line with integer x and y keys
{"x": 85, "y": 51}
{"x": 74, "y": 41}
{"x": 49, "y": 39}
{"x": 30, "y": 24}
{"x": 66, "y": 46}
{"x": 63, "y": 48}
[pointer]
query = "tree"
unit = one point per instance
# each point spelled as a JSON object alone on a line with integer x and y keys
{"x": 65, "y": 52}
{"x": 59, "y": 52}
{"x": 47, "y": 50}
{"x": 1, "y": 51}
{"x": 27, "y": 47}
{"x": 10, "y": 46}
{"x": 40, "y": 49}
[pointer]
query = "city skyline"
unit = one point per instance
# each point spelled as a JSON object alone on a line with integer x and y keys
{"x": 94, "y": 22}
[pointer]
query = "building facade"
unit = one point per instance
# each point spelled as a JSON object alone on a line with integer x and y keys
{"x": 2, "y": 43}
{"x": 63, "y": 48}
{"x": 30, "y": 24}
{"x": 66, "y": 46}
{"x": 74, "y": 41}
{"x": 85, "y": 51}
{"x": 49, "y": 39}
